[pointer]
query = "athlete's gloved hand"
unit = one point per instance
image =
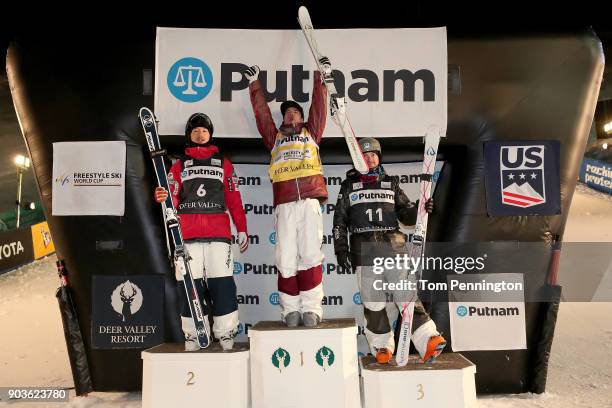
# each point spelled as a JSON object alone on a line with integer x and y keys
{"x": 252, "y": 73}
{"x": 243, "y": 241}
{"x": 344, "y": 260}
{"x": 429, "y": 206}
{"x": 160, "y": 194}
{"x": 325, "y": 65}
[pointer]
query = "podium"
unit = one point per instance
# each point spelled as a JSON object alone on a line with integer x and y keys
{"x": 447, "y": 382}
{"x": 209, "y": 377}
{"x": 304, "y": 367}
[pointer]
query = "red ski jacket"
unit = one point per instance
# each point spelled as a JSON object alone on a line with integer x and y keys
{"x": 210, "y": 227}
{"x": 303, "y": 187}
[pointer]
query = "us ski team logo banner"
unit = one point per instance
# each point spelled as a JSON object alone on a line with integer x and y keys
{"x": 522, "y": 178}
{"x": 385, "y": 74}
{"x": 88, "y": 178}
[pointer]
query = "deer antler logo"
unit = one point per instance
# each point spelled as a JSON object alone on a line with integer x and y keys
{"x": 281, "y": 359}
{"x": 325, "y": 357}
{"x": 126, "y": 300}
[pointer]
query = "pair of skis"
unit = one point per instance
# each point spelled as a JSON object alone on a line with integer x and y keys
{"x": 417, "y": 244}
{"x": 337, "y": 105}
{"x": 179, "y": 253}
{"x": 432, "y": 139}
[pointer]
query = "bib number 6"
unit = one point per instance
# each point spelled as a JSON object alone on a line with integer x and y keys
{"x": 201, "y": 192}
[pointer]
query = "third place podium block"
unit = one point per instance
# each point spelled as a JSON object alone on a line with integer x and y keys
{"x": 448, "y": 382}
{"x": 304, "y": 367}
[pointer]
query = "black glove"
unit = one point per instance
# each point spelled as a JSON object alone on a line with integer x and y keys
{"x": 344, "y": 260}
{"x": 429, "y": 206}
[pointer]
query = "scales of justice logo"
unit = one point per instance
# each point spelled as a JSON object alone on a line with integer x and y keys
{"x": 522, "y": 175}
{"x": 126, "y": 300}
{"x": 190, "y": 80}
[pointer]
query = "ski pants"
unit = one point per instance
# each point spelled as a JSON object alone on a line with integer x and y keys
{"x": 298, "y": 256}
{"x": 212, "y": 261}
{"x": 378, "y": 329}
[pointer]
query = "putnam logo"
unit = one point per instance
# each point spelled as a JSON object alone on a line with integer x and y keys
{"x": 522, "y": 175}
{"x": 486, "y": 311}
{"x": 237, "y": 268}
{"x": 247, "y": 299}
{"x": 274, "y": 298}
{"x": 190, "y": 80}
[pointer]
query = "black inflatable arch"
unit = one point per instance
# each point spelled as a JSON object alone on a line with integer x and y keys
{"x": 512, "y": 88}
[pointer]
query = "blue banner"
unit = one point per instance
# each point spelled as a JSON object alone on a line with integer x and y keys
{"x": 596, "y": 174}
{"x": 522, "y": 178}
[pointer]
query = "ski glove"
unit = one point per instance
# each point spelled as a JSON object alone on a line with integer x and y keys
{"x": 243, "y": 241}
{"x": 160, "y": 194}
{"x": 344, "y": 260}
{"x": 429, "y": 206}
{"x": 252, "y": 73}
{"x": 325, "y": 65}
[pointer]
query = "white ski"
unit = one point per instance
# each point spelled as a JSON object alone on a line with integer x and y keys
{"x": 417, "y": 244}
{"x": 337, "y": 103}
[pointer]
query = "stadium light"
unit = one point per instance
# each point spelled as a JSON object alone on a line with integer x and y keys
{"x": 22, "y": 163}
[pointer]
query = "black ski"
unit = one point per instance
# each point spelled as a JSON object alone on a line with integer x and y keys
{"x": 179, "y": 253}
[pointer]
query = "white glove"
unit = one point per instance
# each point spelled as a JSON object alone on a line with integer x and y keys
{"x": 338, "y": 110}
{"x": 252, "y": 73}
{"x": 243, "y": 241}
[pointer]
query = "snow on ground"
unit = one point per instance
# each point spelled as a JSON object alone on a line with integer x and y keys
{"x": 33, "y": 352}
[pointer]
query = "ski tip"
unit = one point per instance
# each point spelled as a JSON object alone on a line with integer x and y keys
{"x": 304, "y": 16}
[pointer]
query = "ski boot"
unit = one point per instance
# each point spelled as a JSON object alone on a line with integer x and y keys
{"x": 383, "y": 355}
{"x": 227, "y": 340}
{"x": 311, "y": 319}
{"x": 293, "y": 319}
{"x": 435, "y": 345}
{"x": 191, "y": 343}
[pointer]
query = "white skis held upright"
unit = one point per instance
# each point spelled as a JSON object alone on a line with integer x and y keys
{"x": 417, "y": 244}
{"x": 337, "y": 103}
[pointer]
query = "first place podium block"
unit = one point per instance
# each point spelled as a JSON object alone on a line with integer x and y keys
{"x": 304, "y": 367}
{"x": 448, "y": 382}
{"x": 209, "y": 377}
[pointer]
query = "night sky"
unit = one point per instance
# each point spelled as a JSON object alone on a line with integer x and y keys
{"x": 77, "y": 25}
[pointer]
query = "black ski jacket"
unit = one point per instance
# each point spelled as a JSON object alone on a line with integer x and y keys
{"x": 405, "y": 210}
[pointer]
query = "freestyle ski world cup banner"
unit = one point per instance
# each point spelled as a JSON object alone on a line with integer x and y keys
{"x": 394, "y": 80}
{"x": 88, "y": 178}
{"x": 522, "y": 178}
{"x": 255, "y": 272}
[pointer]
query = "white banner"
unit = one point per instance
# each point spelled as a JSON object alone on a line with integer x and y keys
{"x": 492, "y": 324}
{"x": 394, "y": 80}
{"x": 254, "y": 270}
{"x": 88, "y": 178}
